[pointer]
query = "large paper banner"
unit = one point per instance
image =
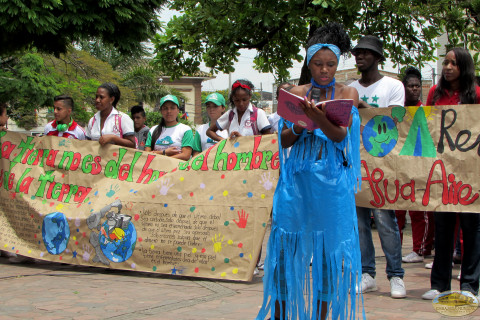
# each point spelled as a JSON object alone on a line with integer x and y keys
{"x": 421, "y": 158}
{"x": 72, "y": 201}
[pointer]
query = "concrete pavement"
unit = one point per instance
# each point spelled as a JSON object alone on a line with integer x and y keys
{"x": 57, "y": 291}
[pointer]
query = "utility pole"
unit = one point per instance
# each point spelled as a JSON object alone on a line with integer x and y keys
{"x": 261, "y": 94}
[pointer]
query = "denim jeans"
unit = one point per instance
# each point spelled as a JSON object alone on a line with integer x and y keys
{"x": 389, "y": 234}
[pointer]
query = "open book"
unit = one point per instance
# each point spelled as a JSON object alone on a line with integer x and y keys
{"x": 289, "y": 108}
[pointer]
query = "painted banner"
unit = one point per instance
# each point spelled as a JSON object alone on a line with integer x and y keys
{"x": 73, "y": 201}
{"x": 421, "y": 158}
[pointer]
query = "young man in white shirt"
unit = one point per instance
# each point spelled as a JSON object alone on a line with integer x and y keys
{"x": 378, "y": 91}
{"x": 64, "y": 125}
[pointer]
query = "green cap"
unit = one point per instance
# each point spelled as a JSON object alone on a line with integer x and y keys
{"x": 169, "y": 97}
{"x": 216, "y": 98}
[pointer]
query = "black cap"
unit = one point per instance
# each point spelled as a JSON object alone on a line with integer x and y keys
{"x": 371, "y": 43}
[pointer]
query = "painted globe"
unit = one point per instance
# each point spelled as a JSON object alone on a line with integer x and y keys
{"x": 380, "y": 136}
{"x": 55, "y": 232}
{"x": 118, "y": 244}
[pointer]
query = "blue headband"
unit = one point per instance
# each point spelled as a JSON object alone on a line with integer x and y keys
{"x": 313, "y": 49}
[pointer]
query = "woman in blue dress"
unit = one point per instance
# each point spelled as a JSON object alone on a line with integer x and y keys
{"x": 313, "y": 256}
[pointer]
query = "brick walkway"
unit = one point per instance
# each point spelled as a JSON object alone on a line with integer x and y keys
{"x": 56, "y": 291}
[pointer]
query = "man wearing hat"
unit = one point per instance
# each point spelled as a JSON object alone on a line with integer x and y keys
{"x": 378, "y": 91}
{"x": 215, "y": 106}
{"x": 374, "y": 89}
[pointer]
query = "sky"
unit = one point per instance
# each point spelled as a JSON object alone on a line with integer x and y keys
{"x": 244, "y": 68}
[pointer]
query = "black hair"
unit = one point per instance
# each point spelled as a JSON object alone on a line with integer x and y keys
{"x": 287, "y": 86}
{"x": 113, "y": 91}
{"x": 466, "y": 67}
{"x": 67, "y": 100}
{"x": 157, "y": 133}
{"x": 244, "y": 82}
{"x": 478, "y": 80}
{"x": 331, "y": 33}
{"x": 137, "y": 109}
{"x": 411, "y": 72}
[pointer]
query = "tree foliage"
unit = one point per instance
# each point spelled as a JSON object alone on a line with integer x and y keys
{"x": 52, "y": 25}
{"x": 79, "y": 74}
{"x": 144, "y": 80}
{"x": 28, "y": 85}
{"x": 29, "y": 82}
{"x": 213, "y": 31}
{"x": 107, "y": 52}
{"x": 462, "y": 24}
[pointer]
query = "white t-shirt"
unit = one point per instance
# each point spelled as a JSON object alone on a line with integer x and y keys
{"x": 383, "y": 93}
{"x": 117, "y": 123}
{"x": 245, "y": 126}
{"x": 171, "y": 137}
{"x": 203, "y": 141}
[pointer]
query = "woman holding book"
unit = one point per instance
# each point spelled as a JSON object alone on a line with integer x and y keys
{"x": 314, "y": 219}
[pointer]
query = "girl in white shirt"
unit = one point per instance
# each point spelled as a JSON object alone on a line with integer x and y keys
{"x": 215, "y": 105}
{"x": 244, "y": 119}
{"x": 170, "y": 138}
{"x": 109, "y": 125}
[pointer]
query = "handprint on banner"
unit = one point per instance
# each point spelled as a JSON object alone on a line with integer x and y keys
{"x": 217, "y": 243}
{"x": 113, "y": 190}
{"x": 64, "y": 143}
{"x": 242, "y": 219}
{"x": 165, "y": 187}
{"x": 87, "y": 252}
{"x": 265, "y": 181}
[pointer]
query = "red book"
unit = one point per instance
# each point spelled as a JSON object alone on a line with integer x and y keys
{"x": 289, "y": 108}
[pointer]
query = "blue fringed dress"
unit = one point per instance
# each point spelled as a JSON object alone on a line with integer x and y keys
{"x": 314, "y": 216}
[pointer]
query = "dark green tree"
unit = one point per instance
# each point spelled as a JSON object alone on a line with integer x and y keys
{"x": 462, "y": 26}
{"x": 28, "y": 85}
{"x": 52, "y": 25}
{"x": 79, "y": 74}
{"x": 213, "y": 31}
{"x": 143, "y": 79}
{"x": 107, "y": 52}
